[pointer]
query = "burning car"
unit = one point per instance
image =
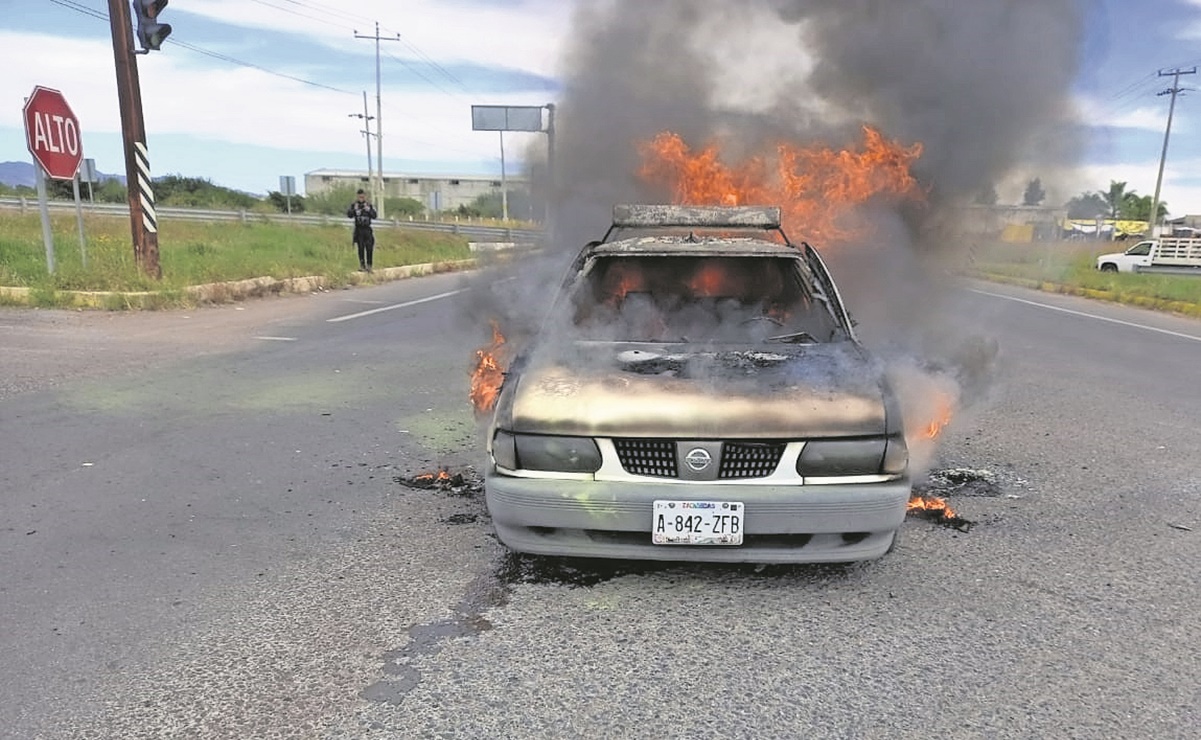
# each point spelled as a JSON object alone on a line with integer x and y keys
{"x": 697, "y": 393}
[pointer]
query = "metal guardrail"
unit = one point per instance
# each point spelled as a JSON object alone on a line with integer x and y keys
{"x": 470, "y": 231}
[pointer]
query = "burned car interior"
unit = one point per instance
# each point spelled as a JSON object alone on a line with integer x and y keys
{"x": 700, "y": 299}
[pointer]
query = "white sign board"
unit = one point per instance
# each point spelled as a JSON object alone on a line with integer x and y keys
{"x": 506, "y": 117}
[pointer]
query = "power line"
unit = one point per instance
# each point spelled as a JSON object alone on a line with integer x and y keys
{"x": 79, "y": 8}
{"x": 431, "y": 62}
{"x": 298, "y": 14}
{"x": 417, "y": 71}
{"x": 252, "y": 65}
{"x": 99, "y": 15}
{"x": 1137, "y": 88}
{"x": 327, "y": 13}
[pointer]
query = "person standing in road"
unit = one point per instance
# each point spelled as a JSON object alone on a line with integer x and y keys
{"x": 364, "y": 238}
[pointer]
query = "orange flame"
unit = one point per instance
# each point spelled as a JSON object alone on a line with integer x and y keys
{"x": 941, "y": 419}
{"x": 488, "y": 374}
{"x": 932, "y": 504}
{"x": 441, "y": 475}
{"x": 817, "y": 187}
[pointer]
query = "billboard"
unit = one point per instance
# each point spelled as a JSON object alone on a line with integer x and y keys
{"x": 506, "y": 117}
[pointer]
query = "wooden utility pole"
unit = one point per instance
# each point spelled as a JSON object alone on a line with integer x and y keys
{"x": 143, "y": 220}
{"x": 1174, "y": 90}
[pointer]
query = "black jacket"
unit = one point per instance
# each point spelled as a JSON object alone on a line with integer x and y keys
{"x": 362, "y": 213}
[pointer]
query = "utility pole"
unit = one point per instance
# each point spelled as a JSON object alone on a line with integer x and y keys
{"x": 366, "y": 132}
{"x": 143, "y": 220}
{"x": 1174, "y": 90}
{"x": 379, "y": 115}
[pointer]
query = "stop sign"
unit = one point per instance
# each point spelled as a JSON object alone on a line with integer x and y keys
{"x": 52, "y": 132}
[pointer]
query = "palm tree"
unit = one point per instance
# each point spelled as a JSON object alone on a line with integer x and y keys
{"x": 1116, "y": 197}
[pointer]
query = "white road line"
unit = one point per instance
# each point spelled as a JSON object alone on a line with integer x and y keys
{"x": 1087, "y": 315}
{"x": 406, "y": 304}
{"x": 277, "y": 339}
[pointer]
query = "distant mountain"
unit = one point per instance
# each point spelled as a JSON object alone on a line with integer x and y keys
{"x": 14, "y": 174}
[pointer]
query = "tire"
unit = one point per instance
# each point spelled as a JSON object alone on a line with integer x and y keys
{"x": 1109, "y": 267}
{"x": 896, "y": 539}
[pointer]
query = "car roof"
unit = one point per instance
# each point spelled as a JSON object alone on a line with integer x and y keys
{"x": 692, "y": 246}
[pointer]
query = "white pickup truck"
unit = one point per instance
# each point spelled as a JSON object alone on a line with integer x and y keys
{"x": 1164, "y": 255}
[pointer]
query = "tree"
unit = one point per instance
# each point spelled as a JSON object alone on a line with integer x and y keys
{"x": 331, "y": 202}
{"x": 489, "y": 205}
{"x": 109, "y": 190}
{"x": 280, "y": 201}
{"x": 1034, "y": 194}
{"x": 404, "y": 208}
{"x": 198, "y": 192}
{"x": 1115, "y": 197}
{"x": 1087, "y": 205}
{"x": 1138, "y": 208}
{"x": 987, "y": 197}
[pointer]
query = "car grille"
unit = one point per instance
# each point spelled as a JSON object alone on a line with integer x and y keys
{"x": 749, "y": 459}
{"x": 655, "y": 457}
{"x": 658, "y": 458}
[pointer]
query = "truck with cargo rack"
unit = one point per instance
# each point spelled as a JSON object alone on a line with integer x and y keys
{"x": 1166, "y": 255}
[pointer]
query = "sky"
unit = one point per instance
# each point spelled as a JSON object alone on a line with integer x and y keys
{"x": 245, "y": 91}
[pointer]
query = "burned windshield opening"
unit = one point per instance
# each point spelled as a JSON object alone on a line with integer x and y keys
{"x": 698, "y": 299}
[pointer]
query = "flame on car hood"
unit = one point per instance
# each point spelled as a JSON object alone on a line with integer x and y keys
{"x": 829, "y": 390}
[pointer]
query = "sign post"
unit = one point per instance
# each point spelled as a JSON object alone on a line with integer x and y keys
{"x": 52, "y": 135}
{"x": 89, "y": 176}
{"x": 515, "y": 118}
{"x": 83, "y": 242}
{"x": 287, "y": 186}
{"x": 47, "y": 234}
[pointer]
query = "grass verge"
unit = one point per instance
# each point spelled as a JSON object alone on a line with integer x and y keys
{"x": 193, "y": 253}
{"x": 1068, "y": 268}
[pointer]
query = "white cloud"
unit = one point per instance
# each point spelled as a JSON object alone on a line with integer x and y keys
{"x": 1181, "y": 188}
{"x": 1190, "y": 31}
{"x": 1094, "y": 112}
{"x": 522, "y": 35}
{"x": 243, "y": 105}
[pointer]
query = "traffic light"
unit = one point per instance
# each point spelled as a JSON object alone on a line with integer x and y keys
{"x": 151, "y": 33}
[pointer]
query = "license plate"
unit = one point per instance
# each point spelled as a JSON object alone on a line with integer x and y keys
{"x": 697, "y": 523}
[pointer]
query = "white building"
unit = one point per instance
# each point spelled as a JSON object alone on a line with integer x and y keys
{"x": 436, "y": 192}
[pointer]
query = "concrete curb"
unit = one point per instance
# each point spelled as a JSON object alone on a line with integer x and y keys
{"x": 1163, "y": 305}
{"x": 227, "y": 292}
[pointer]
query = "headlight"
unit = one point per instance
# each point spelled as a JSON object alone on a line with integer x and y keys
{"x": 504, "y": 450}
{"x": 896, "y": 456}
{"x": 538, "y": 452}
{"x": 831, "y": 458}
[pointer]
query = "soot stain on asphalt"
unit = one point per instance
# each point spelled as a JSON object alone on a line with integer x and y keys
{"x": 514, "y": 568}
{"x": 960, "y": 482}
{"x": 467, "y": 484}
{"x": 493, "y": 588}
{"x": 427, "y": 640}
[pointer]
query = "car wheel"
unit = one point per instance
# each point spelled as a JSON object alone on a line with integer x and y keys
{"x": 1107, "y": 267}
{"x": 896, "y": 537}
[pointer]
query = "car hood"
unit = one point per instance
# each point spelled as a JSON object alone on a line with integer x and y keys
{"x": 818, "y": 390}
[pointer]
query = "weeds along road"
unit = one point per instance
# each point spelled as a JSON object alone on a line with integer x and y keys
{"x": 201, "y": 536}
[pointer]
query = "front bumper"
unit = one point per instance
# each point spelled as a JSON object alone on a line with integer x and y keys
{"x": 612, "y": 519}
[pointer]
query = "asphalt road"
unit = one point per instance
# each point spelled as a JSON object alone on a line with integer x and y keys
{"x": 201, "y": 536}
